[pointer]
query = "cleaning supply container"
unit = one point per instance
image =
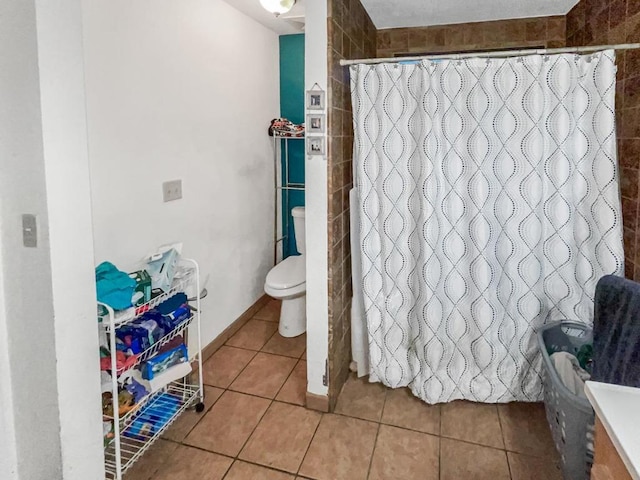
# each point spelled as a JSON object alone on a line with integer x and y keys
{"x": 570, "y": 416}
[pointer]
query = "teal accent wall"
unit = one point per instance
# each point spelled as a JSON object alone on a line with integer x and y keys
{"x": 292, "y": 97}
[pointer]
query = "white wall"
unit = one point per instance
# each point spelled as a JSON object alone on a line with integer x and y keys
{"x": 184, "y": 89}
{"x": 27, "y": 305}
{"x": 64, "y": 133}
{"x": 9, "y": 457}
{"x": 47, "y": 325}
{"x": 316, "y": 208}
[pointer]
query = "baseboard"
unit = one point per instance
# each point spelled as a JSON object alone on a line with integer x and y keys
{"x": 228, "y": 332}
{"x": 317, "y": 402}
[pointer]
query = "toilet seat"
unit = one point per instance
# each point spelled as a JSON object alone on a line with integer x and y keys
{"x": 287, "y": 279}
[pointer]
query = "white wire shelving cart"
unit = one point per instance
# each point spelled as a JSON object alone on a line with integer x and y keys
{"x": 130, "y": 441}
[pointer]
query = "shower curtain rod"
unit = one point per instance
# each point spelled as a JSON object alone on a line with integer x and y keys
{"x": 498, "y": 54}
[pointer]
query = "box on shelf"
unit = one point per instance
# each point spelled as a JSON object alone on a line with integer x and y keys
{"x": 164, "y": 361}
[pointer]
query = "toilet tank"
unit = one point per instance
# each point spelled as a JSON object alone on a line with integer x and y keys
{"x": 298, "y": 227}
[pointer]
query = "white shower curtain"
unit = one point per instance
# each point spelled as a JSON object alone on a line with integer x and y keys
{"x": 488, "y": 204}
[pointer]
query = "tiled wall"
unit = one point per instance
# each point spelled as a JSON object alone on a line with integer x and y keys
{"x": 529, "y": 32}
{"x": 603, "y": 22}
{"x": 351, "y": 35}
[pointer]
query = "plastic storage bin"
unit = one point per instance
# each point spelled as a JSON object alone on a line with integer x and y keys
{"x": 570, "y": 417}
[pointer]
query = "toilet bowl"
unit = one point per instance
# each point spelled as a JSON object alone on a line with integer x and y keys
{"x": 287, "y": 281}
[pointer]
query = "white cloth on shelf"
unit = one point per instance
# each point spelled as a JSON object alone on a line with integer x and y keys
{"x": 570, "y": 372}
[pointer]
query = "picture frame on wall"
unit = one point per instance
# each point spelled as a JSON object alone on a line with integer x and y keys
{"x": 315, "y": 99}
{"x": 316, "y": 146}
{"x": 315, "y": 123}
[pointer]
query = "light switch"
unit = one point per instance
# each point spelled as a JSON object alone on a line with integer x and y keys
{"x": 29, "y": 231}
{"x": 172, "y": 190}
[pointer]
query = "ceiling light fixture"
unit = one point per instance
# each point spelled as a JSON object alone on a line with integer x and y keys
{"x": 277, "y": 7}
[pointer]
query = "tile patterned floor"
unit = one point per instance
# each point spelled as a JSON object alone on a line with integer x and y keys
{"x": 255, "y": 427}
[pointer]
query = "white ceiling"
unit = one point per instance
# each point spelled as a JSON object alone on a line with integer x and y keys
{"x": 291, "y": 22}
{"x": 419, "y": 13}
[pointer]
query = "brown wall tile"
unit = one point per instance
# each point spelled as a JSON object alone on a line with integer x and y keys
{"x": 536, "y": 30}
{"x": 518, "y": 33}
{"x": 556, "y": 29}
{"x": 353, "y": 35}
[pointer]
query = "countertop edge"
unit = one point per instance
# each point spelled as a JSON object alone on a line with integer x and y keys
{"x": 593, "y": 390}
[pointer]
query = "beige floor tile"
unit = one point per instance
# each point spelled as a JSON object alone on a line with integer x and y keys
{"x": 403, "y": 409}
{"x": 153, "y": 460}
{"x": 282, "y": 437}
{"x": 361, "y": 399}
{"x": 405, "y": 454}
{"x": 461, "y": 460}
{"x": 188, "y": 463}
{"x": 246, "y": 471}
{"x": 526, "y": 467}
{"x": 225, "y": 365}
{"x": 265, "y": 375}
{"x": 253, "y": 335}
{"x": 472, "y": 422}
{"x": 229, "y": 423}
{"x": 525, "y": 429}
{"x": 341, "y": 449}
{"x": 185, "y": 423}
{"x": 289, "y": 347}
{"x": 294, "y": 389}
{"x": 304, "y": 355}
{"x": 270, "y": 312}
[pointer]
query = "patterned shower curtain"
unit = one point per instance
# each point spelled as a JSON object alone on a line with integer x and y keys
{"x": 489, "y": 205}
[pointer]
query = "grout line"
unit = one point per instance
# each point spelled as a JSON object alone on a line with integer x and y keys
{"x": 239, "y": 373}
{"x": 310, "y": 442}
{"x": 287, "y": 379}
{"x": 501, "y": 427}
{"x": 188, "y": 445}
{"x": 432, "y": 434}
{"x": 373, "y": 452}
{"x": 384, "y": 404}
{"x": 375, "y": 442}
{"x": 440, "y": 442}
{"x": 468, "y": 442}
{"x": 237, "y": 457}
{"x": 237, "y": 348}
{"x": 256, "y": 352}
{"x": 272, "y": 401}
{"x": 504, "y": 443}
{"x": 273, "y": 469}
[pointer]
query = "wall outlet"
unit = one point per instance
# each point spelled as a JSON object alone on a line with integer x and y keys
{"x": 172, "y": 190}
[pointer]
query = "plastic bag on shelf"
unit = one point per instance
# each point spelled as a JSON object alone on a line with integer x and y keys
{"x": 162, "y": 265}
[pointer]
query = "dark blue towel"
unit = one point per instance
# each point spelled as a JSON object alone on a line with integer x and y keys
{"x": 616, "y": 332}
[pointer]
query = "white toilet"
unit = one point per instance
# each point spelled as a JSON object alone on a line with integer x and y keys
{"x": 287, "y": 281}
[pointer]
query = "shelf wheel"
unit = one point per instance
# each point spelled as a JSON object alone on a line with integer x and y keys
{"x": 199, "y": 407}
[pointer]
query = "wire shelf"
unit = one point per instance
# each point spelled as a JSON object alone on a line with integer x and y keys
{"x": 125, "y": 317}
{"x": 292, "y": 186}
{"x": 285, "y": 137}
{"x": 144, "y": 428}
{"x": 134, "y": 432}
{"x": 153, "y": 349}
